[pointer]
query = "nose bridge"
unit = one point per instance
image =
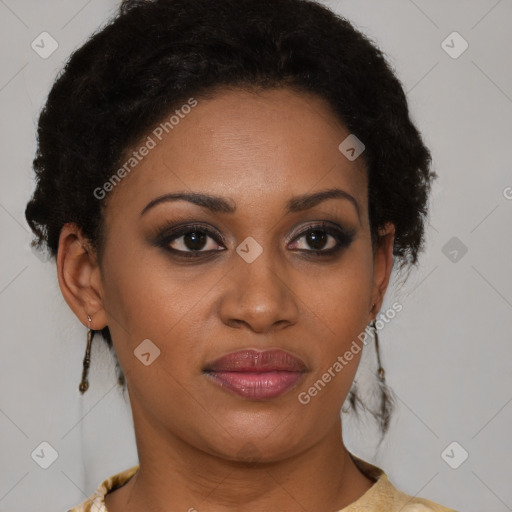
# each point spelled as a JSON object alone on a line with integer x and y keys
{"x": 258, "y": 263}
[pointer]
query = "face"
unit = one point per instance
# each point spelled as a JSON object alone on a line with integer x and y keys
{"x": 259, "y": 267}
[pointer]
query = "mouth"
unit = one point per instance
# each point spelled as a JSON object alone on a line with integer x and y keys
{"x": 255, "y": 374}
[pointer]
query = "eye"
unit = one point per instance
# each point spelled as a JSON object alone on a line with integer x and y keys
{"x": 196, "y": 240}
{"x": 325, "y": 239}
{"x": 191, "y": 240}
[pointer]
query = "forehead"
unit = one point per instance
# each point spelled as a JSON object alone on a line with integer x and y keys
{"x": 255, "y": 147}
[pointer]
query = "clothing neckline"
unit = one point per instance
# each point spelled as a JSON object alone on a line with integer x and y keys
{"x": 381, "y": 494}
{"x": 120, "y": 479}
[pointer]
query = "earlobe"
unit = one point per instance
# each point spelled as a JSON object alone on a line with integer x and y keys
{"x": 78, "y": 272}
{"x": 383, "y": 264}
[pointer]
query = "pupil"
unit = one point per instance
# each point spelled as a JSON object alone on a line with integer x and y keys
{"x": 197, "y": 240}
{"x": 316, "y": 239}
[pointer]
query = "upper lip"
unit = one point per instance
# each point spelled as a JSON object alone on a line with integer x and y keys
{"x": 252, "y": 360}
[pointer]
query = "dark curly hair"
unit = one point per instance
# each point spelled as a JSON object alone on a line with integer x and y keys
{"x": 151, "y": 56}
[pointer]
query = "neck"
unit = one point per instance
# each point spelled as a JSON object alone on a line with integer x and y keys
{"x": 173, "y": 475}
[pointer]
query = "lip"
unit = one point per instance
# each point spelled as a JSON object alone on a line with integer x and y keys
{"x": 256, "y": 374}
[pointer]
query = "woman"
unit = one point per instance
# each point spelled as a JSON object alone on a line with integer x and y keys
{"x": 225, "y": 186}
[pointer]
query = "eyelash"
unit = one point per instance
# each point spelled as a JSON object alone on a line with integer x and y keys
{"x": 342, "y": 237}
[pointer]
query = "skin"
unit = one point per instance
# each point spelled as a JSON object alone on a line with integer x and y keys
{"x": 195, "y": 439}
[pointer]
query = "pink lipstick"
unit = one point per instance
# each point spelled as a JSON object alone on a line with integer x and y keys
{"x": 255, "y": 374}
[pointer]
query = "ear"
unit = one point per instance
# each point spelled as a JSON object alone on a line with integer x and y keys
{"x": 382, "y": 266}
{"x": 79, "y": 277}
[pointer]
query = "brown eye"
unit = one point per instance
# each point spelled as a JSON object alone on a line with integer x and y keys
{"x": 319, "y": 236}
{"x": 317, "y": 239}
{"x": 191, "y": 241}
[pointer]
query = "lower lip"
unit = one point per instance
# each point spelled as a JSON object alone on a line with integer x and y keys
{"x": 256, "y": 385}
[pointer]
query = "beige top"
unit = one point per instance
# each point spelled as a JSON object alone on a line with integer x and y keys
{"x": 381, "y": 497}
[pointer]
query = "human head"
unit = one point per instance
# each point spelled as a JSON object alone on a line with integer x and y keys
{"x": 126, "y": 79}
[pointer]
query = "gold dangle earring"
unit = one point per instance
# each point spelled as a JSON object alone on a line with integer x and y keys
{"x": 380, "y": 371}
{"x": 387, "y": 403}
{"x": 84, "y": 384}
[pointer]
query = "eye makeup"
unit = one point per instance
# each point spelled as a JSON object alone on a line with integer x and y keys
{"x": 195, "y": 236}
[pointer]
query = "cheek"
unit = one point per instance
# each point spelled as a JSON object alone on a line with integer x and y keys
{"x": 149, "y": 298}
{"x": 338, "y": 307}
{"x": 341, "y": 294}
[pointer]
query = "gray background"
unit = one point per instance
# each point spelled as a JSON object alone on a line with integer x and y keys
{"x": 447, "y": 354}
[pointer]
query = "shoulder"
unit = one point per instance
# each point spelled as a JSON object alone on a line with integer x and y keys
{"x": 407, "y": 503}
{"x": 96, "y": 501}
{"x": 423, "y": 505}
{"x": 383, "y": 495}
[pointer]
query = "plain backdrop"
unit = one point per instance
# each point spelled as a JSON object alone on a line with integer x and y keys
{"x": 447, "y": 354}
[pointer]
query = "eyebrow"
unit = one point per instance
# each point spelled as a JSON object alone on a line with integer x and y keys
{"x": 222, "y": 205}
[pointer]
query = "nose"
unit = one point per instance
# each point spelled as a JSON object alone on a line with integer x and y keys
{"x": 259, "y": 295}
